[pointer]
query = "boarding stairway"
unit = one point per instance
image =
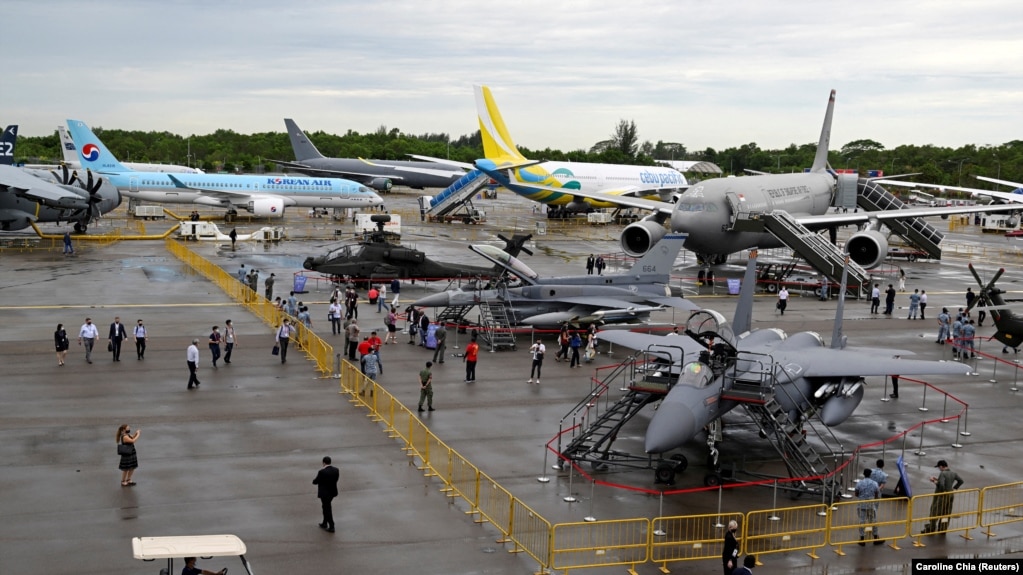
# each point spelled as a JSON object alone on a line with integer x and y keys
{"x": 496, "y": 320}
{"x": 824, "y": 256}
{"x": 595, "y": 422}
{"x": 872, "y": 197}
{"x": 454, "y": 314}
{"x": 458, "y": 194}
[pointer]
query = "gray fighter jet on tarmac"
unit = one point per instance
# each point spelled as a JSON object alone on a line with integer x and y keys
{"x": 628, "y": 297}
{"x": 377, "y": 174}
{"x": 718, "y": 367}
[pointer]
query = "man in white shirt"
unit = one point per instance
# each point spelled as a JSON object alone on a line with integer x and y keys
{"x": 141, "y": 335}
{"x": 87, "y": 336}
{"x": 783, "y": 300}
{"x": 192, "y": 356}
{"x": 229, "y": 340}
{"x": 334, "y": 314}
{"x": 283, "y": 338}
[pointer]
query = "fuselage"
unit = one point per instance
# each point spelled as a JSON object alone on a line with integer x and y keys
{"x": 301, "y": 192}
{"x": 706, "y": 210}
{"x": 404, "y": 173}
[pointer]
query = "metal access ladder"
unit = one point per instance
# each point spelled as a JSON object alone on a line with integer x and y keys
{"x": 872, "y": 197}
{"x": 496, "y": 320}
{"x": 458, "y": 193}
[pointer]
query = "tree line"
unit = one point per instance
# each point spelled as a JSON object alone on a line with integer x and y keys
{"x": 227, "y": 150}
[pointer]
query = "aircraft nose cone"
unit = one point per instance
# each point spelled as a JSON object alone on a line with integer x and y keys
{"x": 672, "y": 425}
{"x": 310, "y": 263}
{"x": 441, "y": 299}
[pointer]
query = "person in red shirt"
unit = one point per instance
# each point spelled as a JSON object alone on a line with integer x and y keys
{"x": 471, "y": 354}
{"x": 363, "y": 349}
{"x": 375, "y": 342}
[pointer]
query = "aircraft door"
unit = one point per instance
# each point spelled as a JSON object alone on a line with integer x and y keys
{"x": 735, "y": 205}
{"x": 133, "y": 184}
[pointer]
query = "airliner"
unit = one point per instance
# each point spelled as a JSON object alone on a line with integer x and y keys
{"x": 561, "y": 180}
{"x": 265, "y": 196}
{"x": 70, "y": 152}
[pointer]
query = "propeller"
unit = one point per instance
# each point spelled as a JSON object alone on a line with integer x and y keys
{"x": 983, "y": 296}
{"x": 65, "y": 178}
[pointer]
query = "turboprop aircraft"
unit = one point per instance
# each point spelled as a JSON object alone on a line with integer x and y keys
{"x": 718, "y": 367}
{"x": 265, "y": 196}
{"x": 1010, "y": 325}
{"x": 377, "y": 174}
{"x": 708, "y": 210}
{"x": 627, "y": 297}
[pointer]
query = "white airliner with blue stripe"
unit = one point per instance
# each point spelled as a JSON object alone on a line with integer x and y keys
{"x": 265, "y": 196}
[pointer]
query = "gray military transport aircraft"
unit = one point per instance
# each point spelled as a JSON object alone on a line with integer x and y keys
{"x": 28, "y": 196}
{"x": 707, "y": 210}
{"x": 546, "y": 302}
{"x": 718, "y": 367}
{"x": 377, "y": 174}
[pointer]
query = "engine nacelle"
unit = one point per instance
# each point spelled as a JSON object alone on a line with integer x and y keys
{"x": 267, "y": 207}
{"x": 380, "y": 184}
{"x": 638, "y": 238}
{"x": 867, "y": 248}
{"x": 12, "y": 220}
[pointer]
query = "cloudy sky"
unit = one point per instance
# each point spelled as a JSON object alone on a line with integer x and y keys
{"x": 706, "y": 74}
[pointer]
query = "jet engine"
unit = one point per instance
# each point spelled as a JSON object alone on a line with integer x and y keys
{"x": 267, "y": 207}
{"x": 380, "y": 184}
{"x": 638, "y": 238}
{"x": 867, "y": 248}
{"x": 12, "y": 220}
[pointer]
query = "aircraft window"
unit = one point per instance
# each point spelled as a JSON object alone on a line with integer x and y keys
{"x": 696, "y": 374}
{"x": 711, "y": 208}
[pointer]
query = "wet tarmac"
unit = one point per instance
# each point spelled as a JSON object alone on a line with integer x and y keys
{"x": 238, "y": 455}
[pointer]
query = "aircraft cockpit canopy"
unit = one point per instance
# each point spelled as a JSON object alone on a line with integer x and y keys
{"x": 696, "y": 374}
{"x": 708, "y": 322}
{"x": 349, "y": 251}
{"x": 509, "y": 262}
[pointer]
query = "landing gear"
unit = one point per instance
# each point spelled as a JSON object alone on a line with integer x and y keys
{"x": 668, "y": 468}
{"x": 81, "y": 228}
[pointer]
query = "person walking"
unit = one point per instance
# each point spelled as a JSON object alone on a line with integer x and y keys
{"x": 730, "y": 550}
{"x": 957, "y": 337}
{"x": 424, "y": 327}
{"x": 283, "y": 338}
{"x": 268, "y": 285}
{"x": 87, "y": 336}
{"x": 334, "y": 315}
{"x": 878, "y": 474}
{"x": 391, "y": 321}
{"x": 867, "y": 492}
{"x": 115, "y": 336}
{"x": 889, "y": 300}
{"x": 471, "y": 356}
{"x": 141, "y": 335}
{"x": 783, "y": 299}
{"x": 589, "y": 265}
{"x": 234, "y": 238}
{"x": 537, "y": 350}
{"x": 969, "y": 333}
{"x": 326, "y": 490}
{"x": 943, "y": 326}
{"x": 426, "y": 387}
{"x": 371, "y": 365}
{"x": 563, "y": 340}
{"x": 69, "y": 250}
{"x": 61, "y": 343}
{"x": 192, "y": 359}
{"x": 353, "y": 339}
{"x": 914, "y": 304}
{"x": 895, "y": 388}
{"x": 215, "y": 339}
{"x": 292, "y": 305}
{"x": 129, "y": 458}
{"x": 875, "y": 298}
{"x": 412, "y": 322}
{"x": 923, "y": 304}
{"x": 243, "y": 275}
{"x": 902, "y": 280}
{"x": 575, "y": 343}
{"x": 970, "y": 297}
{"x": 441, "y": 333}
{"x": 600, "y": 265}
{"x": 395, "y": 289}
{"x": 945, "y": 483}
{"x": 230, "y": 339}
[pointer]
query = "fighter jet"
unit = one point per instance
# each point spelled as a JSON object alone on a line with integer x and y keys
{"x": 547, "y": 302}
{"x": 1010, "y": 325}
{"x": 708, "y": 210}
{"x": 718, "y": 367}
{"x": 28, "y": 196}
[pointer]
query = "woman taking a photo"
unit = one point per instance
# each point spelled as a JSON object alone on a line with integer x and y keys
{"x": 126, "y": 449}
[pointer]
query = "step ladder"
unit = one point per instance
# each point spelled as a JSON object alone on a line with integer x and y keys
{"x": 458, "y": 193}
{"x": 872, "y": 197}
{"x": 496, "y": 321}
{"x": 454, "y": 314}
{"x": 594, "y": 443}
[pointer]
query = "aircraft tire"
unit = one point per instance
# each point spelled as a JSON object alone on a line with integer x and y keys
{"x": 665, "y": 473}
{"x": 713, "y": 479}
{"x": 772, "y": 288}
{"x": 681, "y": 463}
{"x": 912, "y": 257}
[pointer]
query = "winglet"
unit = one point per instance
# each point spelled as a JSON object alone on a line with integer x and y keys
{"x": 743, "y": 320}
{"x": 300, "y": 144}
{"x": 497, "y": 142}
{"x": 820, "y": 160}
{"x": 91, "y": 152}
{"x": 7, "y": 143}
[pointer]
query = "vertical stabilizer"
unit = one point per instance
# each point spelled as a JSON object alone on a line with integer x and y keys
{"x": 7, "y": 142}
{"x": 497, "y": 142}
{"x": 67, "y": 146}
{"x": 837, "y": 339}
{"x": 300, "y": 144}
{"x": 660, "y": 259}
{"x": 820, "y": 161}
{"x": 743, "y": 320}
{"x": 91, "y": 152}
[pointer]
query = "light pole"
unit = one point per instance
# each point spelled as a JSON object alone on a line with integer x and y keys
{"x": 961, "y": 171}
{"x": 893, "y": 166}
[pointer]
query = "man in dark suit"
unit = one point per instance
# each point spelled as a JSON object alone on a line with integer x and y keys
{"x": 116, "y": 336}
{"x": 326, "y": 490}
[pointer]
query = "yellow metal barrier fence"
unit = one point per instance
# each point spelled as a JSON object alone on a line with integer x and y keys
{"x": 601, "y": 544}
{"x": 874, "y": 521}
{"x": 1000, "y": 504}
{"x": 689, "y": 537}
{"x": 944, "y": 513}
{"x": 788, "y": 529}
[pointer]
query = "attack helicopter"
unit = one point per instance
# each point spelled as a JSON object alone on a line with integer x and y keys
{"x": 1010, "y": 325}
{"x": 380, "y": 256}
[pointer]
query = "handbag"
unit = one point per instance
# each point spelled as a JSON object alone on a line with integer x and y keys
{"x": 110, "y": 346}
{"x": 276, "y": 350}
{"x": 125, "y": 448}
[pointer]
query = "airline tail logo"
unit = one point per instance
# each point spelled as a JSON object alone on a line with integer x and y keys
{"x": 90, "y": 152}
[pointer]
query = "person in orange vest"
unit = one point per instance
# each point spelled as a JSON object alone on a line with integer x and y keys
{"x": 471, "y": 355}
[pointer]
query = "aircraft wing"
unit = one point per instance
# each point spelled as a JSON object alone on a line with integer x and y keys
{"x": 825, "y": 220}
{"x": 1015, "y": 185}
{"x": 335, "y": 173}
{"x": 25, "y": 185}
{"x": 415, "y": 170}
{"x": 228, "y": 196}
{"x": 453, "y": 163}
{"x": 674, "y": 302}
{"x": 665, "y": 346}
{"x": 826, "y": 362}
{"x": 905, "y": 184}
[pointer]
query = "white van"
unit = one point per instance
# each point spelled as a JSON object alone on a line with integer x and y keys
{"x": 179, "y": 547}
